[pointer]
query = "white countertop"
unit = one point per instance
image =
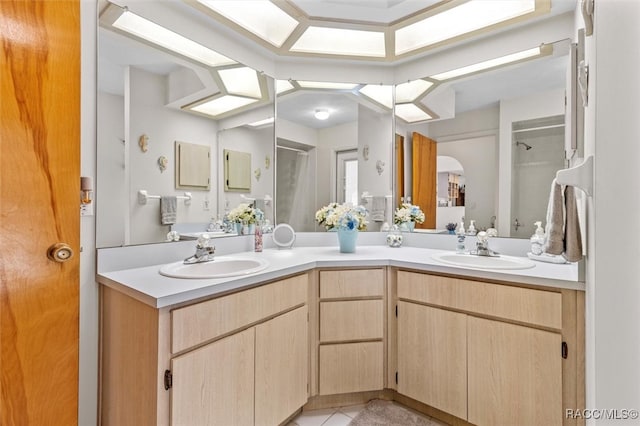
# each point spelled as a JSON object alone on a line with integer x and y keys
{"x": 147, "y": 285}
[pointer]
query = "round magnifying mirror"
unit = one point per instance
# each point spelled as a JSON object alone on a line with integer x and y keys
{"x": 284, "y": 235}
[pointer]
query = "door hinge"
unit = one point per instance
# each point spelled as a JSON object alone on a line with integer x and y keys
{"x": 396, "y": 311}
{"x": 565, "y": 350}
{"x": 396, "y": 377}
{"x": 168, "y": 379}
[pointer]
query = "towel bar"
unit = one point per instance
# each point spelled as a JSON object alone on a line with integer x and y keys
{"x": 580, "y": 176}
{"x": 143, "y": 196}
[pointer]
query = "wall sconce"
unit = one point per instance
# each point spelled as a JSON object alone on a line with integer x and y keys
{"x": 86, "y": 196}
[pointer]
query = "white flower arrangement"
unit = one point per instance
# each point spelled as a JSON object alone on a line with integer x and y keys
{"x": 342, "y": 216}
{"x": 244, "y": 212}
{"x": 408, "y": 213}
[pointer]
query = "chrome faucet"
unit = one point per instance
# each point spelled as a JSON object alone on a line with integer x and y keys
{"x": 482, "y": 246}
{"x": 204, "y": 252}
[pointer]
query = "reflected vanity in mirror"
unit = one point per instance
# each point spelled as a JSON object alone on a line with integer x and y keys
{"x": 333, "y": 145}
{"x": 505, "y": 127}
{"x": 164, "y": 121}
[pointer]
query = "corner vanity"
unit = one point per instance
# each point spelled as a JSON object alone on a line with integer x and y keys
{"x": 317, "y": 329}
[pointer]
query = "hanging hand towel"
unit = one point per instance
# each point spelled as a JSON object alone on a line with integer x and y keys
{"x": 378, "y": 207}
{"x": 572, "y": 236}
{"x": 168, "y": 209}
{"x": 563, "y": 225}
{"x": 555, "y": 221}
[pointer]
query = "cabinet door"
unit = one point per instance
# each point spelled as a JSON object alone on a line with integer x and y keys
{"x": 432, "y": 357}
{"x": 515, "y": 375}
{"x": 351, "y": 367}
{"x": 213, "y": 385}
{"x": 282, "y": 367}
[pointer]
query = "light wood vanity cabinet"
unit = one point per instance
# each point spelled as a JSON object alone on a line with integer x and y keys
{"x": 241, "y": 359}
{"x": 351, "y": 330}
{"x": 466, "y": 351}
{"x": 490, "y": 354}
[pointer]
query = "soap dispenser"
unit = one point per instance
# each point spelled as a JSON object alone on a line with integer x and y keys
{"x": 538, "y": 239}
{"x": 472, "y": 228}
{"x": 460, "y": 247}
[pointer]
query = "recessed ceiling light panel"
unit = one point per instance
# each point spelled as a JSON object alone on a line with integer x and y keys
{"x": 379, "y": 93}
{"x": 326, "y": 85}
{"x": 411, "y": 113}
{"x": 465, "y": 18}
{"x": 262, "y": 18}
{"x": 163, "y": 37}
{"x": 283, "y": 86}
{"x": 241, "y": 81}
{"x": 408, "y": 92}
{"x": 222, "y": 105}
{"x": 339, "y": 41}
{"x": 493, "y": 63}
{"x": 264, "y": 122}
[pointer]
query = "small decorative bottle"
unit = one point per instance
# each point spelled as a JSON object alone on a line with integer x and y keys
{"x": 258, "y": 237}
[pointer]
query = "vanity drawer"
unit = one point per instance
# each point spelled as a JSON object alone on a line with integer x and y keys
{"x": 351, "y": 367}
{"x": 204, "y": 321}
{"x": 537, "y": 307}
{"x": 351, "y": 283}
{"x": 351, "y": 320}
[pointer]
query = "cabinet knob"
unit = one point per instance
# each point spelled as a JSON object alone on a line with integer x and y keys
{"x": 60, "y": 252}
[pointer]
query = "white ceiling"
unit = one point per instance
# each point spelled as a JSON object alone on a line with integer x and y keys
{"x": 375, "y": 11}
{"x": 116, "y": 51}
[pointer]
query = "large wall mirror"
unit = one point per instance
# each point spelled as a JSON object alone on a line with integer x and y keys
{"x": 494, "y": 147}
{"x": 158, "y": 110}
{"x": 334, "y": 144}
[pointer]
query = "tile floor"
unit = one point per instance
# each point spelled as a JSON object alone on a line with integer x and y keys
{"x": 336, "y": 417}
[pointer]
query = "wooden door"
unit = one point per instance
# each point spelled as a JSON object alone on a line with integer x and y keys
{"x": 39, "y": 206}
{"x": 282, "y": 367}
{"x": 432, "y": 357}
{"x": 213, "y": 385}
{"x": 424, "y": 172}
{"x": 515, "y": 375}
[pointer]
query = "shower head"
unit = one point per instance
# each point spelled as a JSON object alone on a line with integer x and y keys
{"x": 526, "y": 146}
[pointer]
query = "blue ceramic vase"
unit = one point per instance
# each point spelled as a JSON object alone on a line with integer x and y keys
{"x": 347, "y": 239}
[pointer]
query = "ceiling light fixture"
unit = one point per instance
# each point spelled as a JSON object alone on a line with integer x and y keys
{"x": 326, "y": 85}
{"x": 283, "y": 86}
{"x": 411, "y": 113}
{"x": 340, "y": 41}
{"x": 379, "y": 93}
{"x": 460, "y": 20}
{"x": 264, "y": 122}
{"x": 262, "y": 18}
{"x": 241, "y": 81}
{"x": 158, "y": 35}
{"x": 321, "y": 114}
{"x": 543, "y": 50}
{"x": 411, "y": 90}
{"x": 221, "y": 105}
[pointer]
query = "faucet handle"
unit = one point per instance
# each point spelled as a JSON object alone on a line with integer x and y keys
{"x": 203, "y": 240}
{"x": 482, "y": 236}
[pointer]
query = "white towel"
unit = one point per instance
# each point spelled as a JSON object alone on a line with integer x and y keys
{"x": 168, "y": 209}
{"x": 378, "y": 207}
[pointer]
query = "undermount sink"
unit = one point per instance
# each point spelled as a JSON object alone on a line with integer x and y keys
{"x": 220, "y": 267}
{"x": 484, "y": 262}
